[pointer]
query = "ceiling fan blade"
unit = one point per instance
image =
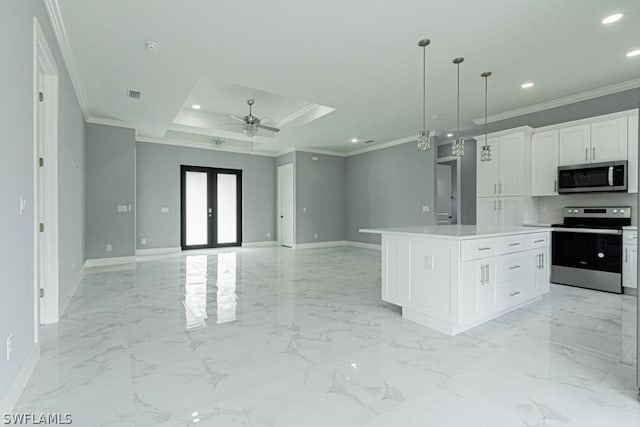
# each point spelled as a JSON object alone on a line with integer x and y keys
{"x": 240, "y": 119}
{"x": 269, "y": 128}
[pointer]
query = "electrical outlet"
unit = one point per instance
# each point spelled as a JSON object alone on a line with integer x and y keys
{"x": 426, "y": 209}
{"x": 73, "y": 266}
{"x": 143, "y": 241}
{"x": 315, "y": 236}
{"x": 304, "y": 209}
{"x": 9, "y": 346}
{"x": 109, "y": 247}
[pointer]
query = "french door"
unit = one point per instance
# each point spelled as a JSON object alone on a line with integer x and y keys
{"x": 211, "y": 207}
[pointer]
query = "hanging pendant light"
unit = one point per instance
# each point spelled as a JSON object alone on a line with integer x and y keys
{"x": 425, "y": 136}
{"x": 457, "y": 148}
{"x": 485, "y": 152}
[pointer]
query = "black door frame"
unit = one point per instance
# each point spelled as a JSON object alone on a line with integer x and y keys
{"x": 212, "y": 203}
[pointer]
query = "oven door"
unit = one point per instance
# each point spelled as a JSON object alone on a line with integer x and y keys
{"x": 589, "y": 249}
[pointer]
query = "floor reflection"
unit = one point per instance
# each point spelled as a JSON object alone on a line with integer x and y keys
{"x": 195, "y": 299}
{"x": 227, "y": 298}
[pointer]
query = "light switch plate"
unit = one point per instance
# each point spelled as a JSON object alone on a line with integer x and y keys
{"x": 428, "y": 262}
{"x": 122, "y": 208}
{"x": 23, "y": 204}
{"x": 164, "y": 210}
{"x": 109, "y": 248}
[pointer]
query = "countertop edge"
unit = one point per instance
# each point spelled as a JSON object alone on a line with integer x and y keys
{"x": 450, "y": 237}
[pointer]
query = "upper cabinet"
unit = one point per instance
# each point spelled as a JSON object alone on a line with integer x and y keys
{"x": 609, "y": 140}
{"x": 511, "y": 149}
{"x": 544, "y": 163}
{"x": 575, "y": 145}
{"x": 487, "y": 172}
{"x": 632, "y": 150}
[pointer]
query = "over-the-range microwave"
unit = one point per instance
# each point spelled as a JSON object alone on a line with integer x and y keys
{"x": 593, "y": 177}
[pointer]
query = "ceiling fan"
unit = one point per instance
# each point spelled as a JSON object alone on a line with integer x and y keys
{"x": 250, "y": 123}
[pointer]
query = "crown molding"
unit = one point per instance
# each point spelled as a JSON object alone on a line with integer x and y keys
{"x": 109, "y": 122}
{"x": 559, "y": 102}
{"x": 310, "y": 151}
{"x": 383, "y": 145}
{"x": 201, "y": 146}
{"x": 55, "y": 16}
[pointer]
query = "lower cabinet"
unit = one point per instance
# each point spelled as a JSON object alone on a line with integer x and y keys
{"x": 629, "y": 266}
{"x": 479, "y": 293}
{"x": 542, "y": 271}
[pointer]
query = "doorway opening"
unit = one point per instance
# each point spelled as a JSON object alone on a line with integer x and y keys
{"x": 45, "y": 181}
{"x": 211, "y": 207}
{"x": 286, "y": 208}
{"x": 447, "y": 192}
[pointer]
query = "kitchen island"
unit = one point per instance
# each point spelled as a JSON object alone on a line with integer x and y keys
{"x": 454, "y": 277}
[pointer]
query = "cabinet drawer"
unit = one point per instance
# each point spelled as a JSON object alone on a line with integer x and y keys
{"x": 478, "y": 248}
{"x": 630, "y": 237}
{"x": 515, "y": 292}
{"x": 511, "y": 244}
{"x": 513, "y": 266}
{"x": 539, "y": 240}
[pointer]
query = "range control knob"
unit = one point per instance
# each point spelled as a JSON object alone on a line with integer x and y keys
{"x": 575, "y": 211}
{"x": 621, "y": 211}
{"x": 615, "y": 211}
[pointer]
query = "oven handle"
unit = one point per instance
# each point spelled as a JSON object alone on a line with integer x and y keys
{"x": 610, "y": 177}
{"x": 588, "y": 230}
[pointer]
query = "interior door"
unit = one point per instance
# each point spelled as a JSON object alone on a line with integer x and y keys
{"x": 211, "y": 207}
{"x": 285, "y": 205}
{"x": 443, "y": 194}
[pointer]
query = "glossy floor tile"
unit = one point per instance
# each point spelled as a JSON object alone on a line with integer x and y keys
{"x": 275, "y": 337}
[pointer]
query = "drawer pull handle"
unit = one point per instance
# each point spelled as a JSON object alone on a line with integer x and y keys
{"x": 483, "y": 249}
{"x": 514, "y": 244}
{"x": 538, "y": 241}
{"x": 513, "y": 294}
{"x": 514, "y": 267}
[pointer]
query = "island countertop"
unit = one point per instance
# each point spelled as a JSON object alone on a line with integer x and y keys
{"x": 456, "y": 232}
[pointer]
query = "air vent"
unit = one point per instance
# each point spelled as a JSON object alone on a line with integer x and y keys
{"x": 135, "y": 94}
{"x": 368, "y": 141}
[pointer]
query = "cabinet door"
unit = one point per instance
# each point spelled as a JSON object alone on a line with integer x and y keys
{"x": 574, "y": 145}
{"x": 479, "y": 292}
{"x": 487, "y": 172}
{"x": 544, "y": 164}
{"x": 542, "y": 271}
{"x": 510, "y": 211}
{"x": 396, "y": 269}
{"x": 632, "y": 153}
{"x": 487, "y": 211}
{"x": 629, "y": 266}
{"x": 511, "y": 178}
{"x": 609, "y": 140}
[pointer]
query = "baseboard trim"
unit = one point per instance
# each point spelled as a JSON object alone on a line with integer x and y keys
{"x": 67, "y": 298}
{"x": 102, "y": 262}
{"x": 374, "y": 246}
{"x": 16, "y": 387}
{"x": 158, "y": 251}
{"x": 265, "y": 244}
{"x": 316, "y": 245}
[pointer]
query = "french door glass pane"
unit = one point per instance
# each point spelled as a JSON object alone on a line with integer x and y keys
{"x": 227, "y": 208}
{"x": 196, "y": 208}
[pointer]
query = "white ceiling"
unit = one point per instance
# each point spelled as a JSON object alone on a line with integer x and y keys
{"x": 358, "y": 56}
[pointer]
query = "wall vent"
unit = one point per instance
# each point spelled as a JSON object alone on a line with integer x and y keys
{"x": 135, "y": 94}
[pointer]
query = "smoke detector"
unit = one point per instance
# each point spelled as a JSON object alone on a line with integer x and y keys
{"x": 151, "y": 46}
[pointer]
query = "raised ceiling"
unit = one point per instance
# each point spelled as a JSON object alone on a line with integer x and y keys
{"x": 358, "y": 57}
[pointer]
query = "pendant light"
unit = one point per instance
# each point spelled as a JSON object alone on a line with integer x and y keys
{"x": 457, "y": 148}
{"x": 485, "y": 152}
{"x": 425, "y": 136}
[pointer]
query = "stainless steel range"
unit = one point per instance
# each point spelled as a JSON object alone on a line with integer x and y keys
{"x": 587, "y": 247}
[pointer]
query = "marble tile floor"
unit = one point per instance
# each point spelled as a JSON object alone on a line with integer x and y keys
{"x": 276, "y": 337}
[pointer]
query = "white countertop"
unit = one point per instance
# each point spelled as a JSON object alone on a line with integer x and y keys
{"x": 456, "y": 232}
{"x": 537, "y": 225}
{"x": 630, "y": 228}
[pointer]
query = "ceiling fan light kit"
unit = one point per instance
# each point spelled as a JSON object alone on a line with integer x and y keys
{"x": 251, "y": 124}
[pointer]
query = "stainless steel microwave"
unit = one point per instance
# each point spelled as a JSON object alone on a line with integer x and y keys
{"x": 593, "y": 177}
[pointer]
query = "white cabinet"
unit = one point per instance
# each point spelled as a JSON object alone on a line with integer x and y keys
{"x": 630, "y": 259}
{"x": 479, "y": 293}
{"x": 609, "y": 140}
{"x": 544, "y": 163}
{"x": 510, "y": 158}
{"x": 487, "y": 211}
{"x": 542, "y": 270}
{"x": 487, "y": 172}
{"x": 396, "y": 269}
{"x": 574, "y": 145}
{"x": 510, "y": 211}
{"x": 632, "y": 153}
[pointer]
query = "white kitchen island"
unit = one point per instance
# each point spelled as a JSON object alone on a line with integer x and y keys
{"x": 454, "y": 277}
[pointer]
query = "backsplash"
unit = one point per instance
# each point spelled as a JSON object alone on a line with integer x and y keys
{"x": 550, "y": 208}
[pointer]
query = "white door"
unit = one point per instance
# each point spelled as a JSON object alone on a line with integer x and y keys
{"x": 487, "y": 172}
{"x": 487, "y": 211}
{"x": 443, "y": 194}
{"x": 629, "y": 266}
{"x": 544, "y": 164}
{"x": 285, "y": 205}
{"x": 609, "y": 140}
{"x": 511, "y": 182}
{"x": 574, "y": 145}
{"x": 510, "y": 211}
{"x": 632, "y": 153}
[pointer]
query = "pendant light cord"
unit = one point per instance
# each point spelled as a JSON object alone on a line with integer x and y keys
{"x": 486, "y": 89}
{"x": 424, "y": 87}
{"x": 458, "y": 100}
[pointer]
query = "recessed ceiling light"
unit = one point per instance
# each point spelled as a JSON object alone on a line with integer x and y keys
{"x": 195, "y": 106}
{"x": 634, "y": 52}
{"x": 526, "y": 85}
{"x": 449, "y": 135}
{"x": 151, "y": 46}
{"x": 612, "y": 18}
{"x": 354, "y": 140}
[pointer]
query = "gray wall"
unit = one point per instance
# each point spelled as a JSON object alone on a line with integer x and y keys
{"x": 158, "y": 185}
{"x": 320, "y": 188}
{"x": 111, "y": 178}
{"x": 387, "y": 188}
{"x": 467, "y": 180}
{"x": 16, "y": 178}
